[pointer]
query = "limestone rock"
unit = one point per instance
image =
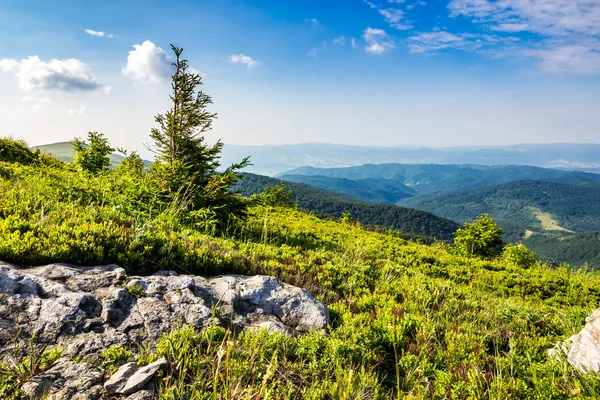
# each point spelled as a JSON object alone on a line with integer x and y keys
{"x": 130, "y": 378}
{"x": 86, "y": 309}
{"x": 66, "y": 380}
{"x": 583, "y": 349}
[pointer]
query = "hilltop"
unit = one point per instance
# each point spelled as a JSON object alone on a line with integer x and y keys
{"x": 407, "y": 319}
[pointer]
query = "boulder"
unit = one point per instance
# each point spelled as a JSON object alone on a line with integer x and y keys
{"x": 88, "y": 309}
{"x": 583, "y": 349}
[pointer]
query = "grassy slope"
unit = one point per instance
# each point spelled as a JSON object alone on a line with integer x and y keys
{"x": 410, "y": 321}
{"x": 64, "y": 152}
{"x": 325, "y": 202}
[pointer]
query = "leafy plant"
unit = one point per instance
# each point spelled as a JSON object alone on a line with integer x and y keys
{"x": 481, "y": 238}
{"x": 92, "y": 155}
{"x": 113, "y": 357}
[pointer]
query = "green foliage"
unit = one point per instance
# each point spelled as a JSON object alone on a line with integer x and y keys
{"x": 410, "y": 222}
{"x": 186, "y": 167}
{"x": 132, "y": 164}
{"x": 481, "y": 238}
{"x": 113, "y": 357}
{"x": 92, "y": 155}
{"x": 518, "y": 255}
{"x": 348, "y": 219}
{"x": 28, "y": 359}
{"x": 135, "y": 289}
{"x": 408, "y": 320}
{"x": 275, "y": 196}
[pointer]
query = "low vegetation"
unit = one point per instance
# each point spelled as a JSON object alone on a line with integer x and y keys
{"x": 409, "y": 320}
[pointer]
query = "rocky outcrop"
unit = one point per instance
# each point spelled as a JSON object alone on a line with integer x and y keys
{"x": 583, "y": 349}
{"x": 86, "y": 310}
{"x": 66, "y": 380}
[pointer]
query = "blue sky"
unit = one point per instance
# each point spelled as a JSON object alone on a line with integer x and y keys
{"x": 389, "y": 72}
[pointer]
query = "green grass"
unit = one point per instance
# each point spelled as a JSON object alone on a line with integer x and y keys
{"x": 409, "y": 320}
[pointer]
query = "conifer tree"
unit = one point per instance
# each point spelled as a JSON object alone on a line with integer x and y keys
{"x": 186, "y": 165}
{"x": 92, "y": 155}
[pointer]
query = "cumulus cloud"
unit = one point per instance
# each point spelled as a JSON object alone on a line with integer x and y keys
{"x": 313, "y": 21}
{"x": 64, "y": 75}
{"x": 377, "y": 40}
{"x": 147, "y": 64}
{"x": 248, "y": 61}
{"x": 77, "y": 111}
{"x": 92, "y": 32}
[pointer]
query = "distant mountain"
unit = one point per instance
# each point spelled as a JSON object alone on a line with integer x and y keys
{"x": 432, "y": 178}
{"x": 273, "y": 160}
{"x": 371, "y": 190}
{"x": 64, "y": 151}
{"x": 409, "y": 221}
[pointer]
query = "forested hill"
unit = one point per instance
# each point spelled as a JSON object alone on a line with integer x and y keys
{"x": 371, "y": 190}
{"x": 558, "y": 221}
{"x": 432, "y": 178}
{"x": 573, "y": 207}
{"x": 320, "y": 201}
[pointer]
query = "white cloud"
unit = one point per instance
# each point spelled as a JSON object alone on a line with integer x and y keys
{"x": 353, "y": 43}
{"x": 64, "y": 75}
{"x": 312, "y": 21}
{"x": 393, "y": 16}
{"x": 378, "y": 41}
{"x": 578, "y": 59}
{"x": 340, "y": 41}
{"x": 312, "y": 53}
{"x": 99, "y": 34}
{"x": 568, "y": 30}
{"x": 555, "y": 17}
{"x": 77, "y": 111}
{"x": 147, "y": 64}
{"x": 510, "y": 27}
{"x": 432, "y": 42}
{"x": 248, "y": 61}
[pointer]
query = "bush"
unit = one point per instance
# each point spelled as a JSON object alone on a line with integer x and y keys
{"x": 518, "y": 255}
{"x": 481, "y": 238}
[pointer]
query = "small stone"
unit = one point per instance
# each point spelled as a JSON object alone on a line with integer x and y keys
{"x": 130, "y": 378}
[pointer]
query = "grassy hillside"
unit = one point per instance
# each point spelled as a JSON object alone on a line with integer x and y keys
{"x": 409, "y": 320}
{"x": 408, "y": 221}
{"x": 430, "y": 178}
{"x": 64, "y": 152}
{"x": 371, "y": 190}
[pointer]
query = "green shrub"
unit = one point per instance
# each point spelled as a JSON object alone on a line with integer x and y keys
{"x": 113, "y": 357}
{"x": 518, "y": 255}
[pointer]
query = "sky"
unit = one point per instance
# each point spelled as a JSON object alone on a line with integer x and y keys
{"x": 431, "y": 73}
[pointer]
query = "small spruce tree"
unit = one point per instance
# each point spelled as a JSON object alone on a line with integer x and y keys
{"x": 186, "y": 166}
{"x": 92, "y": 155}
